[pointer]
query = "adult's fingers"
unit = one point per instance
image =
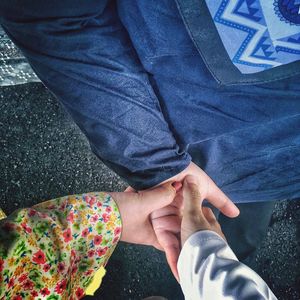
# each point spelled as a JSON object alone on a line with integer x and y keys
{"x": 169, "y": 210}
{"x": 214, "y": 224}
{"x": 171, "y": 246}
{"x": 174, "y": 208}
{"x": 219, "y": 200}
{"x": 209, "y": 215}
{"x": 169, "y": 223}
{"x": 129, "y": 189}
{"x": 178, "y": 200}
{"x": 157, "y": 245}
{"x": 157, "y": 198}
{"x": 172, "y": 255}
{"x": 176, "y": 184}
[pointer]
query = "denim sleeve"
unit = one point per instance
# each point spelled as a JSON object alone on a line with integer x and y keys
{"x": 82, "y": 53}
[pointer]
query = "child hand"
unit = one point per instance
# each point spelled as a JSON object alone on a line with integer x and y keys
{"x": 196, "y": 217}
{"x": 135, "y": 209}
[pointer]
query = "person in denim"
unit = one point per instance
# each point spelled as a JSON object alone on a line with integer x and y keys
{"x": 152, "y": 95}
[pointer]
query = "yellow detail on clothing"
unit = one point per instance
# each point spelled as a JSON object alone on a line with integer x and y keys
{"x": 2, "y": 214}
{"x": 63, "y": 242}
{"x": 96, "y": 282}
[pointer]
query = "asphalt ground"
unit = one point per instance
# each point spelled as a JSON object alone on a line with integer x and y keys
{"x": 44, "y": 155}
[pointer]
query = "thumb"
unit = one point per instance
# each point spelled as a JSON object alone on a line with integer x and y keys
{"x": 193, "y": 218}
{"x": 192, "y": 197}
{"x": 158, "y": 197}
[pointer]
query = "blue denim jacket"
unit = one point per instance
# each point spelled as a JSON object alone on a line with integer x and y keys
{"x": 132, "y": 79}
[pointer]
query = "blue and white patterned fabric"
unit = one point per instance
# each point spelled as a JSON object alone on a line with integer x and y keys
{"x": 258, "y": 35}
{"x": 14, "y": 68}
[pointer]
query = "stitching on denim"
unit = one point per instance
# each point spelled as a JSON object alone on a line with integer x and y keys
{"x": 149, "y": 58}
{"x": 196, "y": 45}
{"x": 286, "y": 76}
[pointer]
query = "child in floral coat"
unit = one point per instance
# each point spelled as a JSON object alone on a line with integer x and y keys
{"x": 58, "y": 249}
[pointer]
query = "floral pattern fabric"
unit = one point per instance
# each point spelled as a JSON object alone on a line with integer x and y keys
{"x": 53, "y": 250}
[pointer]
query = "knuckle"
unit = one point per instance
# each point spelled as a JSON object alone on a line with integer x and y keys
{"x": 194, "y": 191}
{"x": 222, "y": 202}
{"x": 215, "y": 223}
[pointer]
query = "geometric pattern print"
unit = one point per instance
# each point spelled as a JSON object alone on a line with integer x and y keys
{"x": 258, "y": 35}
{"x": 288, "y": 11}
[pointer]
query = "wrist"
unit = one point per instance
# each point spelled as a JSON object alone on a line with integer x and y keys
{"x": 115, "y": 222}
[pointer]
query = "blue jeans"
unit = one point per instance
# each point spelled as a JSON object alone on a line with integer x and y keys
{"x": 131, "y": 78}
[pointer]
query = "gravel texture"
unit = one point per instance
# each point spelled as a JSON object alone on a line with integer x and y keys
{"x": 44, "y": 155}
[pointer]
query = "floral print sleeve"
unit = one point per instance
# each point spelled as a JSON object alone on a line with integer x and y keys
{"x": 53, "y": 250}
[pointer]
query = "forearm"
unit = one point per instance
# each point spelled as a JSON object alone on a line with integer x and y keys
{"x": 209, "y": 269}
{"x": 64, "y": 241}
{"x": 85, "y": 57}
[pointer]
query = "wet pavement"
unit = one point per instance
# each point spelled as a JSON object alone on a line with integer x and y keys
{"x": 44, "y": 155}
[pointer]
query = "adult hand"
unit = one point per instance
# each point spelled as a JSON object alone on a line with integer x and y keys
{"x": 135, "y": 209}
{"x": 196, "y": 217}
{"x": 187, "y": 216}
{"x": 208, "y": 190}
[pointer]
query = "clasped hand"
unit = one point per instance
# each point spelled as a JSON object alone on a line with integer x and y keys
{"x": 165, "y": 216}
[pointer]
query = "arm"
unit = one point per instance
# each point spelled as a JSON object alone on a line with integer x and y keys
{"x": 207, "y": 266}
{"x": 83, "y": 54}
{"x": 56, "y": 247}
{"x": 209, "y": 269}
{"x": 60, "y": 247}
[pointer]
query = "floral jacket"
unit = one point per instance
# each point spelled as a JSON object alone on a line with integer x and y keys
{"x": 58, "y": 249}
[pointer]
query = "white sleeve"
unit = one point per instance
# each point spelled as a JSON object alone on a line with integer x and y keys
{"x": 208, "y": 269}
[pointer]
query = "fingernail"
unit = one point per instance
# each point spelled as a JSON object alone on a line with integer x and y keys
{"x": 236, "y": 211}
{"x": 177, "y": 185}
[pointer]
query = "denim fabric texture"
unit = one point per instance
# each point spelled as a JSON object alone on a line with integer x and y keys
{"x": 83, "y": 54}
{"x": 132, "y": 79}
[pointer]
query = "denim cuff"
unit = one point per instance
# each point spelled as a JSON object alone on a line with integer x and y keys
{"x": 148, "y": 178}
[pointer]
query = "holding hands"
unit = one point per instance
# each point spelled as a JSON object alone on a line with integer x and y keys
{"x": 167, "y": 215}
{"x": 135, "y": 209}
{"x": 187, "y": 216}
{"x": 81, "y": 232}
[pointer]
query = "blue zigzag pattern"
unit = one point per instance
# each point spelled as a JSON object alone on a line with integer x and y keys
{"x": 249, "y": 9}
{"x": 294, "y": 39}
{"x": 288, "y": 50}
{"x": 251, "y": 32}
{"x": 261, "y": 49}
